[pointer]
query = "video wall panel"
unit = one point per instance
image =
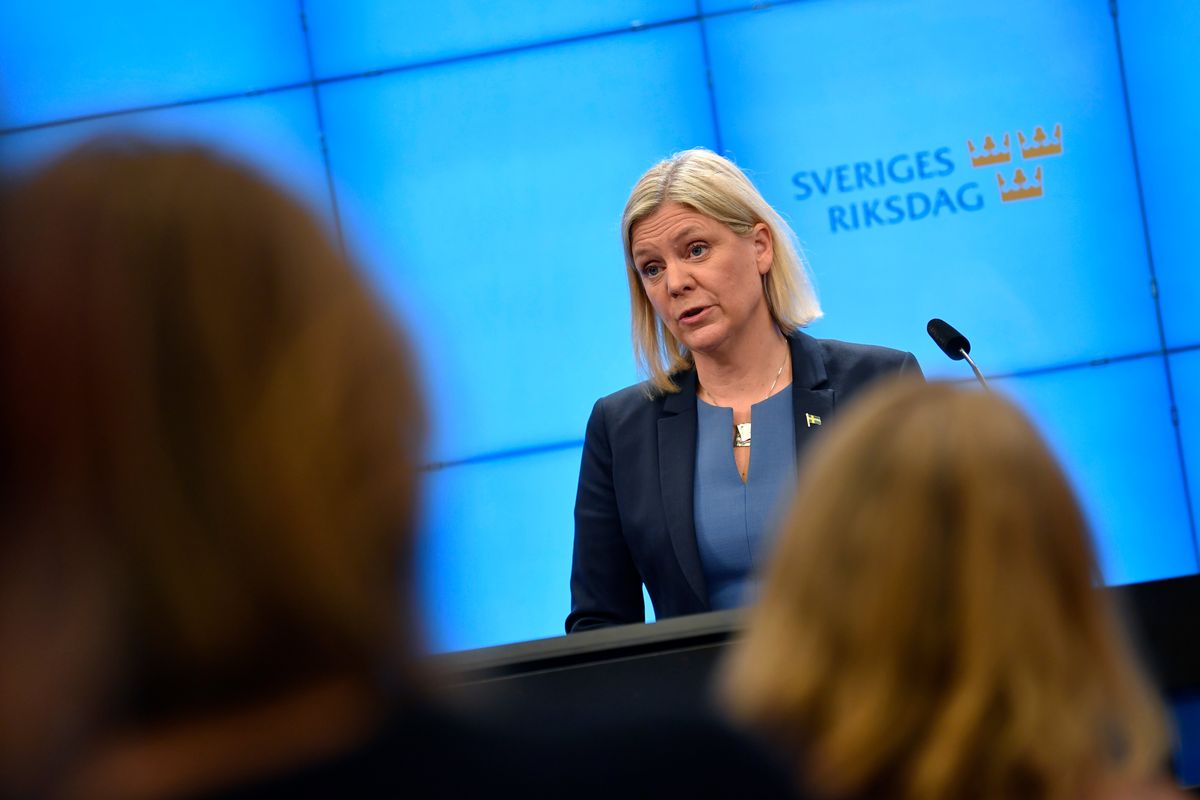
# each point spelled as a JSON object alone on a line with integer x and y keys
{"x": 883, "y": 165}
{"x": 494, "y": 223}
{"x": 1106, "y": 424}
{"x": 70, "y": 59}
{"x": 718, "y": 6}
{"x": 514, "y": 518}
{"x": 277, "y": 133}
{"x": 359, "y": 35}
{"x": 481, "y": 154}
{"x": 1185, "y": 375}
{"x": 1158, "y": 40}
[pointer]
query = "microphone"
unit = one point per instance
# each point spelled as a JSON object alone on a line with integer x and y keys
{"x": 953, "y": 344}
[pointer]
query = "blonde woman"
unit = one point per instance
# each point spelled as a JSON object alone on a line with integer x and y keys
{"x": 929, "y": 625}
{"x": 209, "y": 438}
{"x": 667, "y": 496}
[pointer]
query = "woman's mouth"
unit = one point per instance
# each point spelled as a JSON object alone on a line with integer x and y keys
{"x": 694, "y": 315}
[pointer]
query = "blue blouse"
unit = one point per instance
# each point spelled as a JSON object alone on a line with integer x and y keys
{"x": 735, "y": 521}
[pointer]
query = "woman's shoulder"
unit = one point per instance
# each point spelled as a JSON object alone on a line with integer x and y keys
{"x": 685, "y": 753}
{"x": 841, "y": 350}
{"x": 630, "y": 402}
{"x": 853, "y": 361}
{"x": 631, "y": 415}
{"x": 635, "y": 395}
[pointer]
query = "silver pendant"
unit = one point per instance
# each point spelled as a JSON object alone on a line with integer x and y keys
{"x": 741, "y": 434}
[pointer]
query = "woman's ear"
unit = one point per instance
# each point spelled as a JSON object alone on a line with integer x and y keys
{"x": 764, "y": 247}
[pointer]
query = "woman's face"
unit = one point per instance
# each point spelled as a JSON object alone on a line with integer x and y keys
{"x": 704, "y": 281}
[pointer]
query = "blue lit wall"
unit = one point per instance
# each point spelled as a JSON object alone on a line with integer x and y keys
{"x": 477, "y": 156}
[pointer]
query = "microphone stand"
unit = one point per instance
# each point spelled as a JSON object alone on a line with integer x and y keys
{"x": 975, "y": 369}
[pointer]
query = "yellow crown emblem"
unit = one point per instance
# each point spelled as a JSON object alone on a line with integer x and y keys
{"x": 1023, "y": 188}
{"x": 991, "y": 154}
{"x": 1041, "y": 144}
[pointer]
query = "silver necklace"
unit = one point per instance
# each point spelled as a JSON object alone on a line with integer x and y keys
{"x": 741, "y": 430}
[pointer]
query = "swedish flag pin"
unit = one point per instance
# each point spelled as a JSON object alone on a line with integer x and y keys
{"x": 812, "y": 419}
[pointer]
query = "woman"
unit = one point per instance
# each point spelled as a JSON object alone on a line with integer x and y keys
{"x": 203, "y": 397}
{"x": 210, "y": 436}
{"x": 929, "y": 627}
{"x": 718, "y": 292}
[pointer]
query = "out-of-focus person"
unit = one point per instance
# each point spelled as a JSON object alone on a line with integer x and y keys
{"x": 211, "y": 436}
{"x": 930, "y": 625}
{"x": 667, "y": 497}
{"x": 202, "y": 394}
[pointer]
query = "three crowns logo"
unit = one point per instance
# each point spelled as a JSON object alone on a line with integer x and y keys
{"x": 990, "y": 154}
{"x": 1043, "y": 145}
{"x": 1020, "y": 190}
{"x": 1039, "y": 145}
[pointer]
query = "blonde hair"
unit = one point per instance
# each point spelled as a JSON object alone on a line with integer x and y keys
{"x": 194, "y": 372}
{"x": 929, "y": 625}
{"x": 710, "y": 185}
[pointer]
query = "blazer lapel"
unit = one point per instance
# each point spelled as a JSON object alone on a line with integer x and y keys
{"x": 812, "y": 400}
{"x": 676, "y": 475}
{"x": 812, "y": 407}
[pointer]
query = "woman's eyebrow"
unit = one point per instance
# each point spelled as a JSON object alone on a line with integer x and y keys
{"x": 683, "y": 233}
{"x": 687, "y": 233}
{"x": 642, "y": 250}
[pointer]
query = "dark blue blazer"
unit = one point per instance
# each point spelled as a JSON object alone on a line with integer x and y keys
{"x": 634, "y": 507}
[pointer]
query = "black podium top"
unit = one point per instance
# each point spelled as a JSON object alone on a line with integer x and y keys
{"x": 672, "y": 661}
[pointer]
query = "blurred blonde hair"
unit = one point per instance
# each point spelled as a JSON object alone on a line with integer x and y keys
{"x": 198, "y": 383}
{"x": 711, "y": 185}
{"x": 929, "y": 626}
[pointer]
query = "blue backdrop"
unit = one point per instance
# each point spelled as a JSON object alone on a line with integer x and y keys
{"x": 476, "y": 155}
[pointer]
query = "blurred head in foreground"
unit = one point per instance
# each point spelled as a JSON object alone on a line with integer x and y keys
{"x": 928, "y": 626}
{"x": 208, "y": 435}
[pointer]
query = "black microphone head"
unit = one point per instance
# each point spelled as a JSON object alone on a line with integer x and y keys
{"x": 953, "y": 343}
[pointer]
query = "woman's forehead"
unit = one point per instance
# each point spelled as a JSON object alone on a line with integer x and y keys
{"x": 669, "y": 221}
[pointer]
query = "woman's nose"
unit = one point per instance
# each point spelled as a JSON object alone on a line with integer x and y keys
{"x": 679, "y": 278}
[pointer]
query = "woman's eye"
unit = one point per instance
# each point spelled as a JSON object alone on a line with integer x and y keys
{"x": 651, "y": 270}
{"x": 697, "y": 249}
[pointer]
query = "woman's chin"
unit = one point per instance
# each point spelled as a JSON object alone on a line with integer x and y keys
{"x": 704, "y": 342}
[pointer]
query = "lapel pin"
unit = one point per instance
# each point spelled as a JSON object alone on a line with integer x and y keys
{"x": 812, "y": 419}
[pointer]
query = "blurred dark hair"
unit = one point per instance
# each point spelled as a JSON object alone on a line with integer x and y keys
{"x": 199, "y": 391}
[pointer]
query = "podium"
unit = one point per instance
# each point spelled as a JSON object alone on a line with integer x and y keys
{"x": 634, "y": 670}
{"x": 627, "y": 669}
